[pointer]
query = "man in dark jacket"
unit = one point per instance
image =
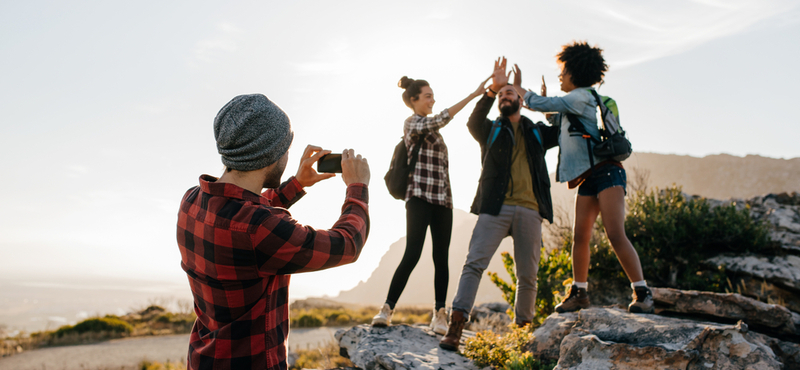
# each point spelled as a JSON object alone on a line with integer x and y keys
{"x": 512, "y": 199}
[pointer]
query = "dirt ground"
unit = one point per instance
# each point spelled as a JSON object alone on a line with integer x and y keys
{"x": 119, "y": 354}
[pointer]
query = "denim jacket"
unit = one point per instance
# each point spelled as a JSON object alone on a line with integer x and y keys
{"x": 573, "y": 155}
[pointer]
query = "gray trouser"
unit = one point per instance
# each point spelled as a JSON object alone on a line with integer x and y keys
{"x": 525, "y": 227}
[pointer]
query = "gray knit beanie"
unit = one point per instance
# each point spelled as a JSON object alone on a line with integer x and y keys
{"x": 251, "y": 132}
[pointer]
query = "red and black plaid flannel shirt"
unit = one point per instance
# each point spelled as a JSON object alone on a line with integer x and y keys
{"x": 238, "y": 249}
{"x": 431, "y": 177}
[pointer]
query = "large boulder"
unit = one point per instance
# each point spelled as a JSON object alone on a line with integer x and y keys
{"x": 399, "y": 347}
{"x": 781, "y": 213}
{"x": 610, "y": 338}
{"x": 772, "y": 319}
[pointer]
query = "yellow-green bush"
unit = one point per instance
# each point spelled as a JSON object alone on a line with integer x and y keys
{"x": 111, "y": 324}
{"x": 308, "y": 320}
{"x": 169, "y": 365}
{"x": 503, "y": 351}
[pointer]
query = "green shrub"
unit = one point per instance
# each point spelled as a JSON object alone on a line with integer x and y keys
{"x": 110, "y": 324}
{"x": 554, "y": 269}
{"x": 503, "y": 351}
{"x": 508, "y": 290}
{"x": 308, "y": 320}
{"x": 672, "y": 233}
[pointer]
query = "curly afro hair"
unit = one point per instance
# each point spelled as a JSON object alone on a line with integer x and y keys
{"x": 584, "y": 63}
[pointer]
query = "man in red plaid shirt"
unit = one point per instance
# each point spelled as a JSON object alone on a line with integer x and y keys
{"x": 239, "y": 246}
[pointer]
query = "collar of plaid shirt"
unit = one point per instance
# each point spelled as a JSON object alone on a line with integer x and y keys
{"x": 209, "y": 184}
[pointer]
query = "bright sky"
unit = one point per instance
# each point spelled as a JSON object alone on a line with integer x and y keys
{"x": 108, "y": 106}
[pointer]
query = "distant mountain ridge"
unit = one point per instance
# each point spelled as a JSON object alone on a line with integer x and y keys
{"x": 719, "y": 176}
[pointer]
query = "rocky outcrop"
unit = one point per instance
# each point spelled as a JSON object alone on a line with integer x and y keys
{"x": 774, "y": 275}
{"x": 399, "y": 347}
{"x": 610, "y": 338}
{"x": 772, "y": 319}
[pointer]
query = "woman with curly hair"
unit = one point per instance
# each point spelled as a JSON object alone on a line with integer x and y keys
{"x": 601, "y": 182}
{"x": 428, "y": 197}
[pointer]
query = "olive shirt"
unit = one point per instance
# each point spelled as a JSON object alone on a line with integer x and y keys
{"x": 520, "y": 188}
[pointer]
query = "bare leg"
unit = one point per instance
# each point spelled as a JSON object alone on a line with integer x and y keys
{"x": 612, "y": 210}
{"x": 586, "y": 210}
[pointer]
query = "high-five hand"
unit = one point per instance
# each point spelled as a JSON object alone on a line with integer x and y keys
{"x": 499, "y": 76}
{"x": 544, "y": 87}
{"x": 482, "y": 88}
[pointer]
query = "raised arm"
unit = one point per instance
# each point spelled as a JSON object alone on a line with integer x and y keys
{"x": 426, "y": 124}
{"x": 284, "y": 246}
{"x": 460, "y": 105}
{"x": 542, "y": 103}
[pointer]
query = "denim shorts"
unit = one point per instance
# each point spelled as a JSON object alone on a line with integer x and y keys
{"x": 602, "y": 178}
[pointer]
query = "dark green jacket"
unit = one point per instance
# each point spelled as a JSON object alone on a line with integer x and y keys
{"x": 495, "y": 174}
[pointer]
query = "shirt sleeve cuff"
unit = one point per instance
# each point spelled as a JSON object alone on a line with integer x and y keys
{"x": 293, "y": 184}
{"x": 527, "y": 95}
{"x": 358, "y": 192}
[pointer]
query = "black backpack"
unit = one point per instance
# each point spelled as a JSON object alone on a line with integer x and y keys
{"x": 613, "y": 143}
{"x": 397, "y": 177}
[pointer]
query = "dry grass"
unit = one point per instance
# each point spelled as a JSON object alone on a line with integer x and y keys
{"x": 325, "y": 357}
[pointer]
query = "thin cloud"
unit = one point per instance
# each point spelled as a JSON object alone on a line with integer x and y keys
{"x": 647, "y": 31}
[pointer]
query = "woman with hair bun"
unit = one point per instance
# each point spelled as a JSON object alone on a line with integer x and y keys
{"x": 428, "y": 197}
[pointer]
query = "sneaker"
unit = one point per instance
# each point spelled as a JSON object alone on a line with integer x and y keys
{"x": 578, "y": 298}
{"x": 383, "y": 318}
{"x": 439, "y": 321}
{"x": 642, "y": 300}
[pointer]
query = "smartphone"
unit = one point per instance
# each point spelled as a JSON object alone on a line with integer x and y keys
{"x": 330, "y": 163}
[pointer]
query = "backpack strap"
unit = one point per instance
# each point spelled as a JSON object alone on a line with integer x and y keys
{"x": 415, "y": 154}
{"x": 537, "y": 134}
{"x": 493, "y": 132}
{"x": 576, "y": 125}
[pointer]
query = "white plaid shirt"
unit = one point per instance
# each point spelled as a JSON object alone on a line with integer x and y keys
{"x": 431, "y": 177}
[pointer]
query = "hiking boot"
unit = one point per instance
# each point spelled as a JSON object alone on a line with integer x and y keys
{"x": 383, "y": 318}
{"x": 439, "y": 321}
{"x": 522, "y": 324}
{"x": 451, "y": 340}
{"x": 577, "y": 299}
{"x": 642, "y": 300}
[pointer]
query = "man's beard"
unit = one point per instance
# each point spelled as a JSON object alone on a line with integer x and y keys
{"x": 273, "y": 178}
{"x": 507, "y": 110}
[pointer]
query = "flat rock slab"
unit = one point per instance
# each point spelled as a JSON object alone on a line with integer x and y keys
{"x": 399, "y": 347}
{"x": 774, "y": 319}
{"x": 780, "y": 270}
{"x": 610, "y": 338}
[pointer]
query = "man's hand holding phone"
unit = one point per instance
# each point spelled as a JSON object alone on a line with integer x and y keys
{"x": 306, "y": 175}
{"x": 354, "y": 168}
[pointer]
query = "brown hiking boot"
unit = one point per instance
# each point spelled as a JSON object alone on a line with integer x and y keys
{"x": 457, "y": 321}
{"x": 642, "y": 300}
{"x": 577, "y": 299}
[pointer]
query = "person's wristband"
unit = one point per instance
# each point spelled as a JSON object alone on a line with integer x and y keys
{"x": 493, "y": 92}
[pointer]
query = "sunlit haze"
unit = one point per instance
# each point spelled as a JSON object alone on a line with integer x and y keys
{"x": 107, "y": 107}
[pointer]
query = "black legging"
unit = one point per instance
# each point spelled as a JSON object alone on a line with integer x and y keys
{"x": 419, "y": 215}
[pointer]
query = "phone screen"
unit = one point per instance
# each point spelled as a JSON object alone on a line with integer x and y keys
{"x": 330, "y": 163}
